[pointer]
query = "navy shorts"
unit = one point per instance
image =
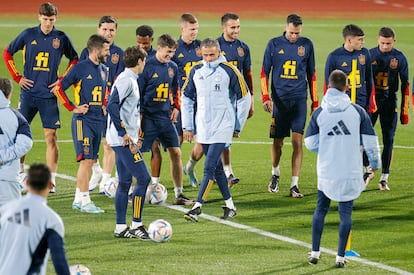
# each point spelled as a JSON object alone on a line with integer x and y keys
{"x": 164, "y": 130}
{"x": 179, "y": 125}
{"x": 47, "y": 108}
{"x": 288, "y": 115}
{"x": 86, "y": 137}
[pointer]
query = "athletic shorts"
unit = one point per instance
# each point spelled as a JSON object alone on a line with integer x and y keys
{"x": 47, "y": 108}
{"x": 179, "y": 125}
{"x": 164, "y": 130}
{"x": 288, "y": 115}
{"x": 86, "y": 137}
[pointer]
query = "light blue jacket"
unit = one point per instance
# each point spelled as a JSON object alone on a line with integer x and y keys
{"x": 337, "y": 131}
{"x": 221, "y": 97}
{"x": 15, "y": 140}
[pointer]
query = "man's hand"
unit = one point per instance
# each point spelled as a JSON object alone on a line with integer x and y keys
{"x": 81, "y": 109}
{"x": 26, "y": 83}
{"x": 268, "y": 106}
{"x": 188, "y": 135}
{"x": 251, "y": 110}
{"x": 174, "y": 115}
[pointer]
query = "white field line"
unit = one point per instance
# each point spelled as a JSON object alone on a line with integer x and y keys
{"x": 272, "y": 235}
{"x": 234, "y": 142}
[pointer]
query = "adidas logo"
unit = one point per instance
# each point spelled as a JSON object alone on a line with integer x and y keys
{"x": 281, "y": 51}
{"x": 375, "y": 62}
{"x": 34, "y": 42}
{"x": 89, "y": 77}
{"x": 155, "y": 75}
{"x": 180, "y": 55}
{"x": 344, "y": 64}
{"x": 339, "y": 129}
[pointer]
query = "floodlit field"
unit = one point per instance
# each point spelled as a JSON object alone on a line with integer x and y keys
{"x": 383, "y": 222}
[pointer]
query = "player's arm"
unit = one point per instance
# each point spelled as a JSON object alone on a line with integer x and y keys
{"x": 328, "y": 69}
{"x": 264, "y": 79}
{"x": 405, "y": 90}
{"x": 312, "y": 132}
{"x": 23, "y": 82}
{"x": 369, "y": 81}
{"x": 113, "y": 107}
{"x": 311, "y": 77}
{"x": 189, "y": 96}
{"x": 57, "y": 250}
{"x": 176, "y": 97}
{"x": 22, "y": 143}
{"x": 248, "y": 77}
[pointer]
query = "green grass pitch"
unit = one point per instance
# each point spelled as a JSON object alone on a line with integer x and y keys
{"x": 383, "y": 222}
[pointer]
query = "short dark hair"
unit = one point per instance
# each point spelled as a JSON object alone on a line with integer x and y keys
{"x": 96, "y": 41}
{"x": 337, "y": 80}
{"x": 188, "y": 18}
{"x": 108, "y": 19}
{"x": 144, "y": 31}
{"x": 167, "y": 40}
{"x": 352, "y": 30}
{"x": 48, "y": 9}
{"x": 386, "y": 32}
{"x": 294, "y": 19}
{"x": 6, "y": 86}
{"x": 39, "y": 176}
{"x": 228, "y": 16}
{"x": 132, "y": 55}
{"x": 209, "y": 43}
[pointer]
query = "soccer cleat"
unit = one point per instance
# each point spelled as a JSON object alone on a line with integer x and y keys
{"x": 383, "y": 186}
{"x": 76, "y": 205}
{"x": 368, "y": 175}
{"x": 273, "y": 184}
{"x": 191, "y": 176}
{"x": 340, "y": 262}
{"x": 232, "y": 180}
{"x": 123, "y": 234}
{"x": 295, "y": 193}
{"x": 313, "y": 257}
{"x": 183, "y": 200}
{"x": 91, "y": 208}
{"x": 96, "y": 177}
{"x": 139, "y": 233}
{"x": 193, "y": 214}
{"x": 228, "y": 213}
{"x": 53, "y": 189}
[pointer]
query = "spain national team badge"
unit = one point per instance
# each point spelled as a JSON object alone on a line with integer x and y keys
{"x": 394, "y": 63}
{"x": 198, "y": 51}
{"x": 240, "y": 51}
{"x": 301, "y": 51}
{"x": 115, "y": 58}
{"x": 361, "y": 59}
{"x": 171, "y": 72}
{"x": 56, "y": 43}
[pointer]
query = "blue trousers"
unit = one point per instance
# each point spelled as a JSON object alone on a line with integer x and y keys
{"x": 130, "y": 165}
{"x": 213, "y": 171}
{"x": 318, "y": 223}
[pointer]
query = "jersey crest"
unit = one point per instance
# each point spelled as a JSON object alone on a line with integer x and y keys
{"x": 301, "y": 51}
{"x": 56, "y": 43}
{"x": 394, "y": 63}
{"x": 115, "y": 58}
{"x": 240, "y": 51}
{"x": 361, "y": 59}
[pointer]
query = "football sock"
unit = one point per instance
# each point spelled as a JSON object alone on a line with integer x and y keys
{"x": 120, "y": 227}
{"x": 191, "y": 164}
{"x": 155, "y": 180}
{"x": 53, "y": 178}
{"x": 384, "y": 177}
{"x": 340, "y": 259}
{"x": 228, "y": 170}
{"x": 178, "y": 191}
{"x": 276, "y": 170}
{"x": 105, "y": 178}
{"x": 295, "y": 181}
{"x": 315, "y": 254}
{"x": 135, "y": 224}
{"x": 197, "y": 204}
{"x": 85, "y": 199}
{"x": 96, "y": 167}
{"x": 77, "y": 196}
{"x": 229, "y": 203}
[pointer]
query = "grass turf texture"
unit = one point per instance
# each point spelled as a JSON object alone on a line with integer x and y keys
{"x": 382, "y": 221}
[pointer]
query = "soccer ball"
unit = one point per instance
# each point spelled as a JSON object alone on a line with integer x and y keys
{"x": 79, "y": 269}
{"x": 160, "y": 231}
{"x": 156, "y": 194}
{"x": 110, "y": 188}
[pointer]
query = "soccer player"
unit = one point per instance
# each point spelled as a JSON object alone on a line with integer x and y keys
{"x": 43, "y": 47}
{"x": 107, "y": 27}
{"x": 188, "y": 54}
{"x": 122, "y": 135}
{"x": 211, "y": 91}
{"x": 88, "y": 114}
{"x": 159, "y": 111}
{"x": 29, "y": 229}
{"x": 389, "y": 64}
{"x": 15, "y": 141}
{"x": 291, "y": 60}
{"x": 360, "y": 78}
{"x": 336, "y": 132}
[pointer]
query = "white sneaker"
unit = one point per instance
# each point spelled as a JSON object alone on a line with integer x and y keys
{"x": 96, "y": 177}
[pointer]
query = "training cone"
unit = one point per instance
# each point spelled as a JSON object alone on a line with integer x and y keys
{"x": 348, "y": 251}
